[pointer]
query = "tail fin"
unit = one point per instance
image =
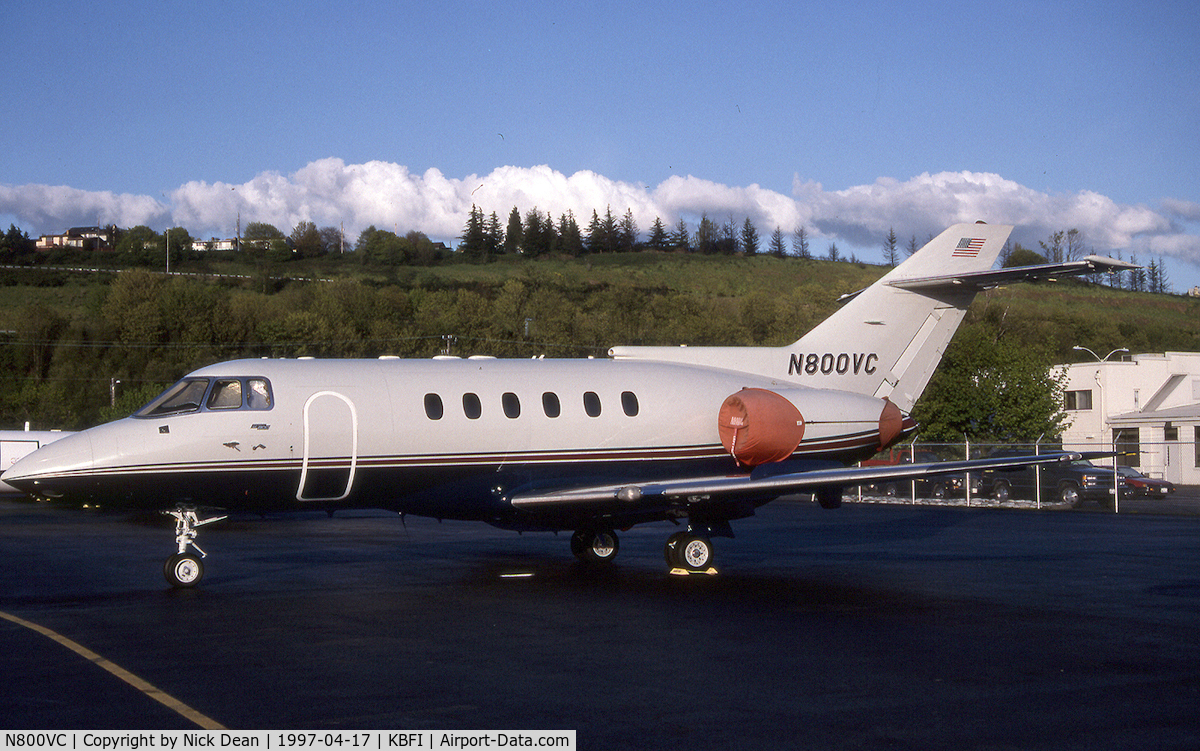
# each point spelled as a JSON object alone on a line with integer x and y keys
{"x": 887, "y": 341}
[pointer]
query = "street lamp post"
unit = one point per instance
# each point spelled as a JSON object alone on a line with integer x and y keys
{"x": 1098, "y": 357}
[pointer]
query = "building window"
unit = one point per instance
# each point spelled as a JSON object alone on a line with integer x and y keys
{"x": 433, "y": 406}
{"x": 1127, "y": 444}
{"x": 1079, "y": 401}
{"x": 471, "y": 406}
{"x": 511, "y": 404}
{"x": 591, "y": 403}
{"x": 551, "y": 405}
{"x": 629, "y": 403}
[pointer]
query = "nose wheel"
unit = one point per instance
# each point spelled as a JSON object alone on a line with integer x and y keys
{"x": 185, "y": 568}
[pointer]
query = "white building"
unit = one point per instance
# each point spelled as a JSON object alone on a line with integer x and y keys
{"x": 1148, "y": 405}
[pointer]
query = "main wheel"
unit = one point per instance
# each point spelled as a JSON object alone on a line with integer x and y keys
{"x": 671, "y": 549}
{"x": 595, "y": 546}
{"x": 183, "y": 570}
{"x": 694, "y": 553}
{"x": 1001, "y": 492}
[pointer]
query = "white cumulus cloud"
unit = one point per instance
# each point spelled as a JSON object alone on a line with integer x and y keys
{"x": 330, "y": 192}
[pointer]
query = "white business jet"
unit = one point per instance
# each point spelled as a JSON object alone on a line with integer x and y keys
{"x": 695, "y": 435}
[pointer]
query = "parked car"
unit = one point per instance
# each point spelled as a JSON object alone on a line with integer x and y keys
{"x": 1071, "y": 482}
{"x": 1141, "y": 486}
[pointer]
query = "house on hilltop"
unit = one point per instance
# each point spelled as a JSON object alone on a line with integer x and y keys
{"x": 83, "y": 238}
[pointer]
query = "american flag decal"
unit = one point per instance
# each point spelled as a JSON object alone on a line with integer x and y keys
{"x": 968, "y": 247}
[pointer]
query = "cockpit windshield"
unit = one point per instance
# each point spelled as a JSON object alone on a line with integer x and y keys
{"x": 225, "y": 394}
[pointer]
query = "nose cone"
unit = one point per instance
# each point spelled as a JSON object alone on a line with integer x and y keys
{"x": 55, "y": 469}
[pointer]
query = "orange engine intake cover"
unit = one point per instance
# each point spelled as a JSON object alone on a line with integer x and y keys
{"x": 758, "y": 426}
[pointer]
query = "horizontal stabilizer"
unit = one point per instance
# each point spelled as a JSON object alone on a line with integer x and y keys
{"x": 978, "y": 280}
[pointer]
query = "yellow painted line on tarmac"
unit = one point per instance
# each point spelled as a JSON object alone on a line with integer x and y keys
{"x": 157, "y": 695}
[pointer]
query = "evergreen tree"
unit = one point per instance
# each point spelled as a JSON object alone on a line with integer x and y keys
{"x": 707, "y": 235}
{"x": 681, "y": 238}
{"x": 627, "y": 233}
{"x": 834, "y": 255}
{"x": 800, "y": 243}
{"x": 777, "y": 248}
{"x": 891, "y": 254}
{"x": 515, "y": 234}
{"x": 658, "y": 239}
{"x": 493, "y": 236}
{"x": 912, "y": 246}
{"x": 473, "y": 244}
{"x": 571, "y": 238}
{"x": 749, "y": 237}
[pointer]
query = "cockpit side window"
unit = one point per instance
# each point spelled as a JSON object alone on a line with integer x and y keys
{"x": 258, "y": 394}
{"x": 226, "y": 394}
{"x": 185, "y": 396}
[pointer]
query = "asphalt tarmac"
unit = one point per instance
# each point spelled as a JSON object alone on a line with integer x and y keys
{"x": 872, "y": 626}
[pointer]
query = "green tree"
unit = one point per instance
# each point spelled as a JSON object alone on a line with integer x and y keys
{"x": 473, "y": 242}
{"x": 707, "y": 234}
{"x": 306, "y": 239}
{"x": 680, "y": 238}
{"x": 800, "y": 243}
{"x": 777, "y": 247}
{"x": 992, "y": 387}
{"x": 571, "y": 239}
{"x": 658, "y": 239}
{"x": 891, "y": 253}
{"x": 749, "y": 237}
{"x": 515, "y": 235}
{"x": 627, "y": 233}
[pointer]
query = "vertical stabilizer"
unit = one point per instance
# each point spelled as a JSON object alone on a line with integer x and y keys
{"x": 888, "y": 339}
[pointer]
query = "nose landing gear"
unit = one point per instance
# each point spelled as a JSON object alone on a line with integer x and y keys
{"x": 185, "y": 569}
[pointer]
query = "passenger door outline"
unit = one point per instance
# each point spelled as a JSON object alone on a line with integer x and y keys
{"x": 307, "y": 460}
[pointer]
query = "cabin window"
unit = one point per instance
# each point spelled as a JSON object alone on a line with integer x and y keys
{"x": 471, "y": 406}
{"x": 591, "y": 404}
{"x": 629, "y": 403}
{"x": 511, "y": 404}
{"x": 185, "y": 396}
{"x": 433, "y": 406}
{"x": 225, "y": 395}
{"x": 551, "y": 405}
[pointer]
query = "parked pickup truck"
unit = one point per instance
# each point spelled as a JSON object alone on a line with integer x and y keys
{"x": 1071, "y": 483}
{"x": 941, "y": 486}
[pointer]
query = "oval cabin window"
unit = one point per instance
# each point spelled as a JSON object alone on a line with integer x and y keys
{"x": 433, "y": 406}
{"x": 511, "y": 404}
{"x": 591, "y": 403}
{"x": 551, "y": 405}
{"x": 471, "y": 406}
{"x": 629, "y": 403}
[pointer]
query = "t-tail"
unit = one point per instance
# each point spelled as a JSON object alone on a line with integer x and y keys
{"x": 888, "y": 339}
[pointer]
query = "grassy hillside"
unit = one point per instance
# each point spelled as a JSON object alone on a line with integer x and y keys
{"x": 68, "y": 335}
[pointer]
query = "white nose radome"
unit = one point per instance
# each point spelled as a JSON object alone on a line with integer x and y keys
{"x": 47, "y": 470}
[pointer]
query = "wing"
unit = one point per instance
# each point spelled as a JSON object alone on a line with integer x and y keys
{"x": 731, "y": 487}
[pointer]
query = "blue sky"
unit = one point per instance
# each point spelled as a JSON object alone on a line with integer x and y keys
{"x": 848, "y": 120}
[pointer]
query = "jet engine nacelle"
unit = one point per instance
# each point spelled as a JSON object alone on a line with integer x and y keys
{"x": 760, "y": 426}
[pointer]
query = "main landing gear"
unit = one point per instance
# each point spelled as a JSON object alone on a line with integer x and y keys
{"x": 689, "y": 552}
{"x": 185, "y": 569}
